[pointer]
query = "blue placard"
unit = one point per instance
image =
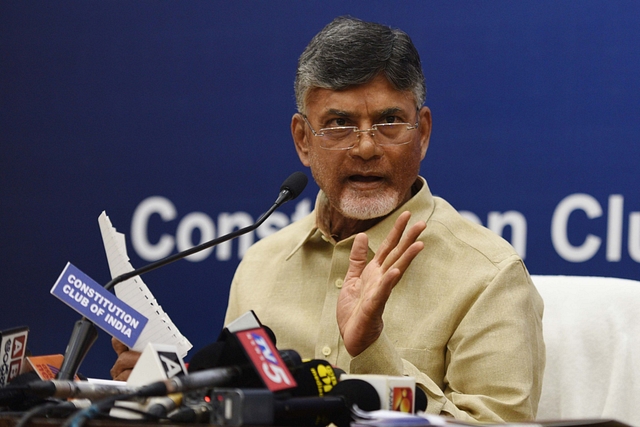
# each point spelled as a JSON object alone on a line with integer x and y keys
{"x": 107, "y": 311}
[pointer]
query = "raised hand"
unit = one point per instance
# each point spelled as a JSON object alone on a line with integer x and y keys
{"x": 367, "y": 287}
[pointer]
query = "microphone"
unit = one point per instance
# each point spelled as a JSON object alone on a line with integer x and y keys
{"x": 64, "y": 389}
{"x": 251, "y": 406}
{"x": 161, "y": 406}
{"x": 208, "y": 378}
{"x": 314, "y": 378}
{"x": 334, "y": 407}
{"x": 85, "y": 333}
{"x": 211, "y": 355}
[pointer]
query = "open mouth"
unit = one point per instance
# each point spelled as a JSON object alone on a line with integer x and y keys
{"x": 362, "y": 178}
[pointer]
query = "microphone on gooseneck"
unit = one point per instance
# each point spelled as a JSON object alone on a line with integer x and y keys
{"x": 85, "y": 333}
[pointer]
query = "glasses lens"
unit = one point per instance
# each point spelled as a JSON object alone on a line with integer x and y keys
{"x": 391, "y": 133}
{"x": 338, "y": 137}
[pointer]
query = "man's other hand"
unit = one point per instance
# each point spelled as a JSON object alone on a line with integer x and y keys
{"x": 125, "y": 362}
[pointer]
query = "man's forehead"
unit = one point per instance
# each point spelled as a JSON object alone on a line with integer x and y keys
{"x": 359, "y": 101}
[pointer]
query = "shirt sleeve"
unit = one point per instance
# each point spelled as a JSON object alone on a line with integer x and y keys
{"x": 494, "y": 358}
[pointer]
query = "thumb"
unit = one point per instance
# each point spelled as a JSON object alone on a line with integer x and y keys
{"x": 358, "y": 256}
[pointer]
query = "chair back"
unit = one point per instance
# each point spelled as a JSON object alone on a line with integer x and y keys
{"x": 592, "y": 336}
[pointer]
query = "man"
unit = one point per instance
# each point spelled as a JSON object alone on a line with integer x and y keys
{"x": 383, "y": 277}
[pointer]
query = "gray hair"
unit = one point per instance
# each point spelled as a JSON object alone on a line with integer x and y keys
{"x": 350, "y": 52}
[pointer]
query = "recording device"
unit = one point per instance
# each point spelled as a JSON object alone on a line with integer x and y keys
{"x": 252, "y": 406}
{"x": 85, "y": 333}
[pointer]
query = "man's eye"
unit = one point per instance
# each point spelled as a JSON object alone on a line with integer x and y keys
{"x": 339, "y": 121}
{"x": 391, "y": 119}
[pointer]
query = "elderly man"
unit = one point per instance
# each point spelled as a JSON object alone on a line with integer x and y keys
{"x": 382, "y": 277}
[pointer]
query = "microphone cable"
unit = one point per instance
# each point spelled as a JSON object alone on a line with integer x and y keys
{"x": 95, "y": 410}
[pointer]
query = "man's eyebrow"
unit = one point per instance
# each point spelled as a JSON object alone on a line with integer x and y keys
{"x": 385, "y": 112}
{"x": 391, "y": 110}
{"x": 341, "y": 113}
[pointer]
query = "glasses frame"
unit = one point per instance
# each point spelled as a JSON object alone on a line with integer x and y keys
{"x": 359, "y": 131}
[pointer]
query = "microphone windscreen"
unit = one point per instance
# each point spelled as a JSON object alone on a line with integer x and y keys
{"x": 291, "y": 358}
{"x": 207, "y": 357}
{"x": 296, "y": 182}
{"x": 16, "y": 395}
{"x": 354, "y": 392}
{"x": 270, "y": 333}
{"x": 357, "y": 392}
{"x": 420, "y": 403}
{"x": 314, "y": 378}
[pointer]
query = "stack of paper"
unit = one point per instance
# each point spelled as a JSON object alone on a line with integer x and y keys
{"x": 160, "y": 329}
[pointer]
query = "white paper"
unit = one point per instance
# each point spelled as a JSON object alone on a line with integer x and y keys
{"x": 160, "y": 329}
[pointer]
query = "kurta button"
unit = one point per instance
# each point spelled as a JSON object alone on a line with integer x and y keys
{"x": 339, "y": 283}
{"x": 326, "y": 350}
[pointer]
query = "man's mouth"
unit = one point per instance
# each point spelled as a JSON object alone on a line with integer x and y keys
{"x": 365, "y": 179}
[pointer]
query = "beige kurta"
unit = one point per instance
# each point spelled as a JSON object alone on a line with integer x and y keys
{"x": 465, "y": 319}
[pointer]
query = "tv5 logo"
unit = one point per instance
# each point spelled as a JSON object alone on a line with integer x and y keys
{"x": 266, "y": 360}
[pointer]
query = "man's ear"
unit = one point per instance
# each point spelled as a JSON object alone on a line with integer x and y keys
{"x": 299, "y": 134}
{"x": 425, "y": 130}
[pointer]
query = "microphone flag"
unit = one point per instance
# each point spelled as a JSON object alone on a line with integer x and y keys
{"x": 13, "y": 346}
{"x": 245, "y": 340}
{"x": 105, "y": 310}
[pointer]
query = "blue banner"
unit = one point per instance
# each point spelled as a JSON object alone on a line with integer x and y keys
{"x": 174, "y": 117}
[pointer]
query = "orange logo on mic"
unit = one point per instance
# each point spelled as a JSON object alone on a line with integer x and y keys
{"x": 402, "y": 399}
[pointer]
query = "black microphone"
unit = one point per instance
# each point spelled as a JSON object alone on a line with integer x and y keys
{"x": 208, "y": 378}
{"x": 314, "y": 378}
{"x": 85, "y": 333}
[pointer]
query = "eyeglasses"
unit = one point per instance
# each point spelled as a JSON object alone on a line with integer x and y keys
{"x": 346, "y": 137}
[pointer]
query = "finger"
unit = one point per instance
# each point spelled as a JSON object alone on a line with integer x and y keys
{"x": 405, "y": 243}
{"x": 126, "y": 361}
{"x": 358, "y": 256}
{"x": 392, "y": 277}
{"x": 123, "y": 376}
{"x": 408, "y": 255}
{"x": 394, "y": 236}
{"x": 118, "y": 346}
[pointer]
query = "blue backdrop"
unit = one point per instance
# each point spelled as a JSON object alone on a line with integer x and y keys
{"x": 106, "y": 105}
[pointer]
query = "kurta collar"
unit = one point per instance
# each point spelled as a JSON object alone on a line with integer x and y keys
{"x": 421, "y": 206}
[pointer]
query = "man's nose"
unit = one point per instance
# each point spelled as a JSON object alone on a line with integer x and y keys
{"x": 366, "y": 147}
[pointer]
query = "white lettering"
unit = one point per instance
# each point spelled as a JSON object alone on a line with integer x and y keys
{"x": 192, "y": 221}
{"x": 559, "y": 223}
{"x": 275, "y": 373}
{"x": 275, "y": 222}
{"x": 171, "y": 368}
{"x": 497, "y": 221}
{"x": 226, "y": 224}
{"x": 614, "y": 227}
{"x": 303, "y": 208}
{"x": 634, "y": 236}
{"x": 139, "y": 227}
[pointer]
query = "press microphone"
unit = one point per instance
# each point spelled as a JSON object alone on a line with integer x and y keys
{"x": 210, "y": 355}
{"x": 208, "y": 378}
{"x": 85, "y": 333}
{"x": 257, "y": 406}
{"x": 65, "y": 389}
{"x": 314, "y": 378}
